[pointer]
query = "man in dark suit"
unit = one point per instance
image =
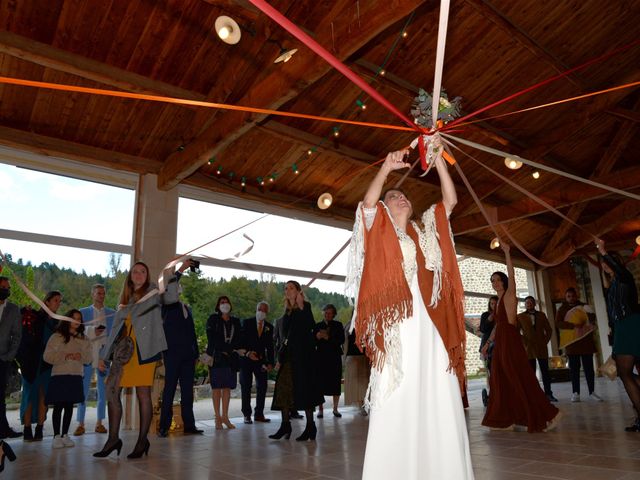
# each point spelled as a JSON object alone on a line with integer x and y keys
{"x": 257, "y": 340}
{"x": 10, "y": 334}
{"x": 536, "y": 333}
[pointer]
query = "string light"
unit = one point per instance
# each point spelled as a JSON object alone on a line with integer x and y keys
{"x": 336, "y": 131}
{"x": 382, "y": 72}
{"x": 294, "y": 167}
{"x": 361, "y": 104}
{"x": 243, "y": 182}
{"x": 211, "y": 160}
{"x": 260, "y": 180}
{"x": 219, "y": 170}
{"x": 405, "y": 34}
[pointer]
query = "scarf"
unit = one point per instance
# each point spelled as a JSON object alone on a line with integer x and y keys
{"x": 383, "y": 298}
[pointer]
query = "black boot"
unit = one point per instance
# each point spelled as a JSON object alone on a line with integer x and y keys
{"x": 309, "y": 433}
{"x": 28, "y": 434}
{"x": 635, "y": 427}
{"x": 283, "y": 431}
{"x": 37, "y": 436}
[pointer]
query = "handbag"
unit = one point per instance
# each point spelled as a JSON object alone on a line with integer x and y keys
{"x": 609, "y": 369}
{"x": 121, "y": 353}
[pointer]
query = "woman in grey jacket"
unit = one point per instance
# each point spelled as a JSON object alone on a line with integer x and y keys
{"x": 139, "y": 318}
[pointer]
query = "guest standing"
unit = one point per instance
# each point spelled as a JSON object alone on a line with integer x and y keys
{"x": 36, "y": 373}
{"x": 297, "y": 385}
{"x": 329, "y": 335}
{"x": 68, "y": 350}
{"x": 97, "y": 332}
{"x": 516, "y": 398}
{"x": 223, "y": 336}
{"x": 138, "y": 317}
{"x": 624, "y": 315}
{"x": 10, "y": 335}
{"x": 536, "y": 332}
{"x": 179, "y": 358}
{"x": 580, "y": 352}
{"x": 257, "y": 341}
{"x": 356, "y": 372}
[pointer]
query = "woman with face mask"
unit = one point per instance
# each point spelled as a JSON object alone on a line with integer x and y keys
{"x": 223, "y": 335}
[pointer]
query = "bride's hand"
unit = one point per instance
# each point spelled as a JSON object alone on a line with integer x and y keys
{"x": 395, "y": 160}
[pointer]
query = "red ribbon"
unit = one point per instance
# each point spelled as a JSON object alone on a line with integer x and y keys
{"x": 635, "y": 253}
{"x": 289, "y": 26}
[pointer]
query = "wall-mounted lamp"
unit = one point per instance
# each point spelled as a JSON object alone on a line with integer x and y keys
{"x": 285, "y": 54}
{"x": 228, "y": 30}
{"x": 512, "y": 163}
{"x": 324, "y": 201}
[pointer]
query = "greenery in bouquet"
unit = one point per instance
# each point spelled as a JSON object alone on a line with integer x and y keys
{"x": 422, "y": 108}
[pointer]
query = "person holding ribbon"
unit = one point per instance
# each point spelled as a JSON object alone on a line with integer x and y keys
{"x": 624, "y": 318}
{"x": 409, "y": 318}
{"x": 134, "y": 346}
{"x": 223, "y": 345}
{"x": 516, "y": 398}
{"x": 36, "y": 330}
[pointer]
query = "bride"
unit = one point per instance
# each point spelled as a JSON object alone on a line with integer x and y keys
{"x": 409, "y": 318}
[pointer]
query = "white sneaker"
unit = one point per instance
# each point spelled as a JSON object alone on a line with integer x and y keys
{"x": 575, "y": 397}
{"x": 67, "y": 441}
{"x": 57, "y": 442}
{"x": 596, "y": 398}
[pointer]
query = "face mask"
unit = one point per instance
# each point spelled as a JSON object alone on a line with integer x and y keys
{"x": 4, "y": 293}
{"x": 224, "y": 308}
{"x": 260, "y": 315}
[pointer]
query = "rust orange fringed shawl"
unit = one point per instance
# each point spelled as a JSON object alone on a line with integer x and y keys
{"x": 384, "y": 297}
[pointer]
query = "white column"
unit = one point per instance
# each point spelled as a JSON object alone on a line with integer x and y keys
{"x": 600, "y": 307}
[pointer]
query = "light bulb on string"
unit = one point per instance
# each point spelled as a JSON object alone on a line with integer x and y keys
{"x": 243, "y": 182}
{"x": 219, "y": 170}
{"x": 361, "y": 104}
{"x": 294, "y": 167}
{"x": 382, "y": 72}
{"x": 336, "y": 131}
{"x": 405, "y": 34}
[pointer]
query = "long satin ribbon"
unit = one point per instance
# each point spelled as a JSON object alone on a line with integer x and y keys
{"x": 197, "y": 103}
{"x": 326, "y": 265}
{"x": 503, "y": 154}
{"x": 544, "y": 82}
{"x": 551, "y": 104}
{"x": 527, "y": 193}
{"x": 439, "y": 67}
{"x": 294, "y": 30}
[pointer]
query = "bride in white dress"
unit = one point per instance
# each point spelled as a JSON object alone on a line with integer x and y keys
{"x": 417, "y": 427}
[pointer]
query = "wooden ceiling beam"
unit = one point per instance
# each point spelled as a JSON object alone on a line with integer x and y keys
{"x": 606, "y": 163}
{"x": 63, "y": 61}
{"x": 526, "y": 208}
{"x": 55, "y": 147}
{"x": 284, "y": 82}
{"x": 632, "y": 115}
{"x": 488, "y": 11}
{"x": 627, "y": 209}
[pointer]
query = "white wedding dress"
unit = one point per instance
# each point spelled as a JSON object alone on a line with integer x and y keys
{"x": 419, "y": 430}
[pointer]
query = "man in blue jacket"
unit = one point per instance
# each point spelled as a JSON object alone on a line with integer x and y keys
{"x": 97, "y": 333}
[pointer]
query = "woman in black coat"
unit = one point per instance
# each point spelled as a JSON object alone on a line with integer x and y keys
{"x": 297, "y": 385}
{"x": 329, "y": 335}
{"x": 223, "y": 335}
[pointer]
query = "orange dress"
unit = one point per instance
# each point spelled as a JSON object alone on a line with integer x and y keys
{"x": 515, "y": 397}
{"x": 134, "y": 374}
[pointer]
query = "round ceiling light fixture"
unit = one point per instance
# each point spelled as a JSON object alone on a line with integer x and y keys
{"x": 324, "y": 201}
{"x": 512, "y": 163}
{"x": 495, "y": 243}
{"x": 638, "y": 240}
{"x": 228, "y": 30}
{"x": 285, "y": 55}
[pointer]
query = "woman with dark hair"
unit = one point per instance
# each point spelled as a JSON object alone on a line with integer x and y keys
{"x": 224, "y": 339}
{"x": 409, "y": 318}
{"x": 139, "y": 318}
{"x": 36, "y": 372}
{"x": 516, "y": 397}
{"x": 329, "y": 335}
{"x": 67, "y": 350}
{"x": 297, "y": 386}
{"x": 624, "y": 319}
{"x": 487, "y": 323}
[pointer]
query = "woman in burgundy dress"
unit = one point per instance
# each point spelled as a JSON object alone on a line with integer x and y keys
{"x": 516, "y": 397}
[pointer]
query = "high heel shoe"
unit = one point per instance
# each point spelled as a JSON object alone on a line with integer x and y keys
{"x": 227, "y": 423}
{"x": 106, "y": 451}
{"x": 138, "y": 452}
{"x": 283, "y": 431}
{"x": 309, "y": 433}
{"x": 8, "y": 453}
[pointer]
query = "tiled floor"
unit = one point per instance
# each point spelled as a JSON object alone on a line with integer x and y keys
{"x": 590, "y": 444}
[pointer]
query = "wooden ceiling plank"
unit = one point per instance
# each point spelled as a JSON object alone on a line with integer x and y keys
{"x": 605, "y": 165}
{"x": 625, "y": 113}
{"x": 54, "y": 147}
{"x": 63, "y": 61}
{"x": 281, "y": 85}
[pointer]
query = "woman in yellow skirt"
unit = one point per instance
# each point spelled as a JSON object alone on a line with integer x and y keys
{"x": 140, "y": 319}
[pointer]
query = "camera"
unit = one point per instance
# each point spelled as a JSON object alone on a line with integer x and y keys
{"x": 194, "y": 266}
